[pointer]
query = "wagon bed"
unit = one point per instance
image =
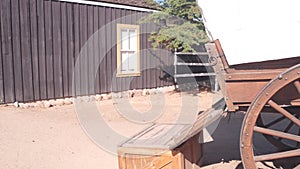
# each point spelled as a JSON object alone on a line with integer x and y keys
{"x": 269, "y": 94}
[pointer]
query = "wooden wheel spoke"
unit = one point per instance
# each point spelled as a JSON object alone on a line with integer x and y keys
{"x": 277, "y": 133}
{"x": 273, "y": 156}
{"x": 297, "y": 85}
{"x": 284, "y": 112}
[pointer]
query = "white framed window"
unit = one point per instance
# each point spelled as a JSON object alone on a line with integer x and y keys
{"x": 128, "y": 46}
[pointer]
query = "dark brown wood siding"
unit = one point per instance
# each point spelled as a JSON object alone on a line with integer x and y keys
{"x": 42, "y": 41}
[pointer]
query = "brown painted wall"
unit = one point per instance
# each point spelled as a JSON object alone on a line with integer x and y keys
{"x": 41, "y": 41}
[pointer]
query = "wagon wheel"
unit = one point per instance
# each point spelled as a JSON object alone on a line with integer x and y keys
{"x": 286, "y": 142}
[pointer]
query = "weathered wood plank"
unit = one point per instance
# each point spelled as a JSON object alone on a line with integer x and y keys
{"x": 71, "y": 46}
{"x": 49, "y": 49}
{"x": 41, "y": 49}
{"x": 64, "y": 49}
{"x": 143, "y": 61}
{"x": 18, "y": 79}
{"x": 77, "y": 49}
{"x": 158, "y": 136}
{"x": 114, "y": 49}
{"x": 34, "y": 49}
{"x": 2, "y": 99}
{"x": 103, "y": 44}
{"x": 57, "y": 59}
{"x": 109, "y": 69}
{"x": 118, "y": 81}
{"x": 160, "y": 58}
{"x": 83, "y": 51}
{"x": 124, "y": 21}
{"x": 143, "y": 39}
{"x": 90, "y": 51}
{"x": 26, "y": 50}
{"x": 96, "y": 46}
{"x": 142, "y": 55}
{"x": 149, "y": 74}
{"x": 170, "y": 62}
{"x": 151, "y": 63}
{"x": 6, "y": 32}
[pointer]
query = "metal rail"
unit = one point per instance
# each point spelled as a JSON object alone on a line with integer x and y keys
{"x": 201, "y": 62}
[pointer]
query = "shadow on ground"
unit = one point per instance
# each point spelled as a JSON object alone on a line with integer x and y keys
{"x": 225, "y": 147}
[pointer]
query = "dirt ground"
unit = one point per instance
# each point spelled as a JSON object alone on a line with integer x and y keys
{"x": 38, "y": 138}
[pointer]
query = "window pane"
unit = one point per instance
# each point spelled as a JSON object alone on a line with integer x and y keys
{"x": 133, "y": 61}
{"x": 133, "y": 40}
{"x": 125, "y": 61}
{"x": 124, "y": 39}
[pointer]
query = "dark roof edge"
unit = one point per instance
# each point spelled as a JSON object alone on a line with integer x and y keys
{"x": 112, "y": 5}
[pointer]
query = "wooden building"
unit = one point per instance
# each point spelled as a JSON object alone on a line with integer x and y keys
{"x": 53, "y": 49}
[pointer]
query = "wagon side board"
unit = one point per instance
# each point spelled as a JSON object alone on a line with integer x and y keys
{"x": 240, "y": 84}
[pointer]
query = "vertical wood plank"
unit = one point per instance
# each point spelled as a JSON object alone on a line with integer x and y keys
{"x": 148, "y": 63}
{"x": 170, "y": 62}
{"x": 17, "y": 50}
{"x": 103, "y": 44}
{"x": 90, "y": 48}
{"x": 122, "y": 161}
{"x": 151, "y": 63}
{"x": 160, "y": 73}
{"x": 157, "y": 58}
{"x": 49, "y": 49}
{"x": 109, "y": 56}
{"x": 1, "y": 63}
{"x": 26, "y": 50}
{"x": 77, "y": 49}
{"x": 114, "y": 50}
{"x": 83, "y": 50}
{"x": 118, "y": 80}
{"x": 34, "y": 49}
{"x": 57, "y": 59}
{"x": 41, "y": 49}
{"x": 144, "y": 57}
{"x": 71, "y": 43}
{"x": 166, "y": 63}
{"x": 96, "y": 46}
{"x": 163, "y": 54}
{"x": 6, "y": 32}
{"x": 64, "y": 49}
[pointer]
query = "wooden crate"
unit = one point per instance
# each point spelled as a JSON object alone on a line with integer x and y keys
{"x": 169, "y": 146}
{"x": 186, "y": 156}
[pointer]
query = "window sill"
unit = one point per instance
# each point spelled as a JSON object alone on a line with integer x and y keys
{"x": 128, "y": 74}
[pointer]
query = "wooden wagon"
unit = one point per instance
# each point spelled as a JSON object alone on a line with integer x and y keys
{"x": 263, "y": 76}
{"x": 260, "y": 76}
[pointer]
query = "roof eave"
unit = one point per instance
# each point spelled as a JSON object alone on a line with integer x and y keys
{"x": 112, "y": 5}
